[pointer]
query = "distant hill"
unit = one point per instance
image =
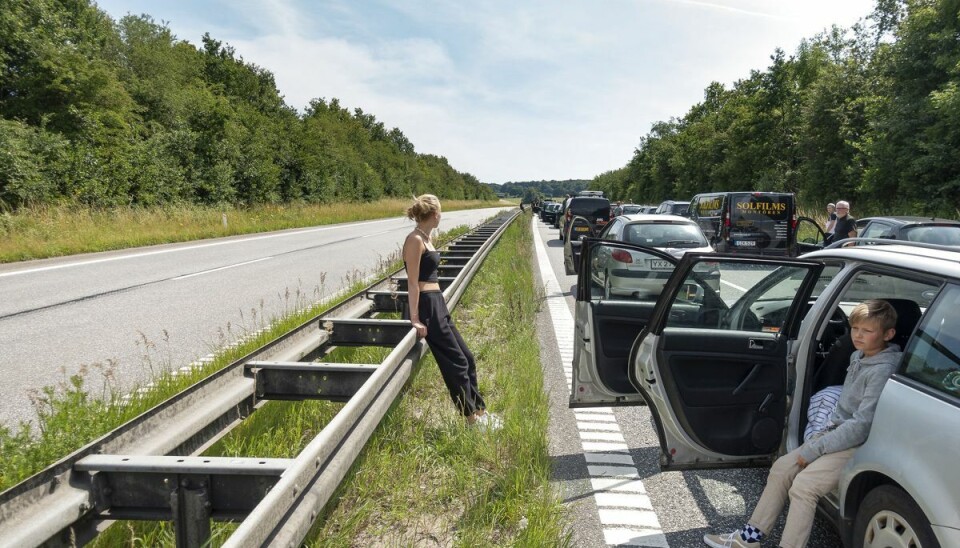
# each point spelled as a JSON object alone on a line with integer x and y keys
{"x": 545, "y": 188}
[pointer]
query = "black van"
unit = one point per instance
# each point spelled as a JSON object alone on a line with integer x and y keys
{"x": 594, "y": 209}
{"x": 759, "y": 223}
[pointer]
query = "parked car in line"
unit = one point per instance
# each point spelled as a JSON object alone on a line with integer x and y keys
{"x": 672, "y": 207}
{"x": 647, "y": 209}
{"x": 626, "y": 209}
{"x": 548, "y": 211}
{"x": 593, "y": 208}
{"x": 929, "y": 230}
{"x": 758, "y": 223}
{"x": 728, "y": 377}
{"x": 674, "y": 235}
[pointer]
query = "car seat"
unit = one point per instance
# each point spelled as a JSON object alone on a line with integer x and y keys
{"x": 833, "y": 370}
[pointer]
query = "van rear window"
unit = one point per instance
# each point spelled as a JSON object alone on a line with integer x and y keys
{"x": 763, "y": 207}
{"x": 590, "y": 207}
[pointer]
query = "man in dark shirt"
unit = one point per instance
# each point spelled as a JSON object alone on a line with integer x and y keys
{"x": 844, "y": 227}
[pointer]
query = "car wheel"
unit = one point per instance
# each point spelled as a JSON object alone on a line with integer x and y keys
{"x": 889, "y": 518}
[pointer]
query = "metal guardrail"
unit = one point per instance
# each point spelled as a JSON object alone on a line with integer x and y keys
{"x": 147, "y": 468}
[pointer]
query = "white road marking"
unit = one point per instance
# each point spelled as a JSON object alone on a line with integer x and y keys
{"x": 187, "y": 248}
{"x": 628, "y": 537}
{"x": 735, "y": 286}
{"x": 613, "y": 427}
{"x": 185, "y": 276}
{"x": 624, "y": 508}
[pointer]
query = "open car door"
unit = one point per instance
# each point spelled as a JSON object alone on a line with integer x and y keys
{"x": 810, "y": 237}
{"x": 711, "y": 360}
{"x": 717, "y": 377}
{"x": 617, "y": 289}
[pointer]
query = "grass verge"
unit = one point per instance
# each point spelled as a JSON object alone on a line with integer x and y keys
{"x": 54, "y": 231}
{"x": 425, "y": 477}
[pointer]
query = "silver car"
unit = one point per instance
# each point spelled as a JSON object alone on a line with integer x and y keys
{"x": 623, "y": 273}
{"x": 729, "y": 377}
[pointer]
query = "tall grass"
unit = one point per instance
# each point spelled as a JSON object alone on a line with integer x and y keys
{"x": 54, "y": 231}
{"x": 426, "y": 477}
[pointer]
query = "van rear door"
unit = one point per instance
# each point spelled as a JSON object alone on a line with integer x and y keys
{"x": 761, "y": 223}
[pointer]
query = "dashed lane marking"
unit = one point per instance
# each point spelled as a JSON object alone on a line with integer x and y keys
{"x": 624, "y": 509}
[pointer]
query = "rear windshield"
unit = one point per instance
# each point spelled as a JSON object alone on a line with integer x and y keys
{"x": 664, "y": 235}
{"x": 628, "y": 210}
{"x": 943, "y": 235}
{"x": 763, "y": 207}
{"x": 590, "y": 207}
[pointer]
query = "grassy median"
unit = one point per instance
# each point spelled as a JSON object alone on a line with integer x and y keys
{"x": 43, "y": 232}
{"x": 425, "y": 478}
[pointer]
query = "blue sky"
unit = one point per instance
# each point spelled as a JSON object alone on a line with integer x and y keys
{"x": 507, "y": 90}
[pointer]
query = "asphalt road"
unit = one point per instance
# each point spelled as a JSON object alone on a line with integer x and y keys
{"x": 138, "y": 311}
{"x": 687, "y": 504}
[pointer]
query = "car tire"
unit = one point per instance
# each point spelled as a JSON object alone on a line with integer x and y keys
{"x": 889, "y": 517}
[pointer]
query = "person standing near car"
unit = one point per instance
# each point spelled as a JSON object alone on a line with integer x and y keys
{"x": 831, "y": 220}
{"x": 427, "y": 311}
{"x": 813, "y": 469}
{"x": 845, "y": 227}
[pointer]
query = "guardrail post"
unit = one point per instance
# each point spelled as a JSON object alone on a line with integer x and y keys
{"x": 191, "y": 514}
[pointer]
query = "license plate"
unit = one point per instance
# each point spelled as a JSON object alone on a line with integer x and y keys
{"x": 659, "y": 264}
{"x": 745, "y": 243}
{"x": 581, "y": 228}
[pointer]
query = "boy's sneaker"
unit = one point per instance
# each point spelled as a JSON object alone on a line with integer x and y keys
{"x": 729, "y": 540}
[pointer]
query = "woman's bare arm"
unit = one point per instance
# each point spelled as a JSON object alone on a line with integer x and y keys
{"x": 412, "y": 249}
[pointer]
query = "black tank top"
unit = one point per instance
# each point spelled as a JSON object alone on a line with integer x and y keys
{"x": 429, "y": 261}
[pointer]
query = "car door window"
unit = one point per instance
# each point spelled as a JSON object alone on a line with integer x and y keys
{"x": 737, "y": 296}
{"x": 876, "y": 230}
{"x": 621, "y": 274}
{"x": 612, "y": 231}
{"x": 933, "y": 355}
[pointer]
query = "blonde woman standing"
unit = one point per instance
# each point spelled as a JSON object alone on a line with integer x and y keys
{"x": 428, "y": 313}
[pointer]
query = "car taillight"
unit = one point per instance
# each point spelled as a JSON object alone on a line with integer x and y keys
{"x": 622, "y": 256}
{"x": 793, "y": 222}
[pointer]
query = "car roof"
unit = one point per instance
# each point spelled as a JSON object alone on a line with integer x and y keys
{"x": 654, "y": 218}
{"x": 909, "y": 220}
{"x": 939, "y": 261}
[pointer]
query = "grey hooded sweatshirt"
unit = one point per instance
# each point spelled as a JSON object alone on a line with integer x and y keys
{"x": 851, "y": 420}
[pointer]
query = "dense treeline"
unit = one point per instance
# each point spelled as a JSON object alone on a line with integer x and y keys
{"x": 870, "y": 114}
{"x": 541, "y": 188}
{"x": 103, "y": 113}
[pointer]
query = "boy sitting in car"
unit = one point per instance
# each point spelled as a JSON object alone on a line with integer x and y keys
{"x": 813, "y": 469}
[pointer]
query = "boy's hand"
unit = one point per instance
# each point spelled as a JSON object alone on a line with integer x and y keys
{"x": 801, "y": 463}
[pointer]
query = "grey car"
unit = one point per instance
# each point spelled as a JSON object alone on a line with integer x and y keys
{"x": 728, "y": 376}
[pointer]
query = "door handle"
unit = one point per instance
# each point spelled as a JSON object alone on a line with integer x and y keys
{"x": 746, "y": 380}
{"x": 763, "y": 405}
{"x": 756, "y": 344}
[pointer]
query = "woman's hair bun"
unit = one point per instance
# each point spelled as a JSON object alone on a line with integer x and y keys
{"x": 423, "y": 206}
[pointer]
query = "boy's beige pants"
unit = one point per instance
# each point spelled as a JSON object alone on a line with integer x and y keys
{"x": 804, "y": 487}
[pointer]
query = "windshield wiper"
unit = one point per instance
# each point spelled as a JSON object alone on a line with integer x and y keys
{"x": 678, "y": 243}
